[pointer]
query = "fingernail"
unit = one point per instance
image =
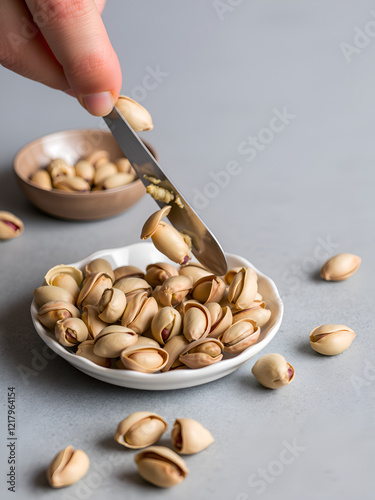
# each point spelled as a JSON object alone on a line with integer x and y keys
{"x": 99, "y": 104}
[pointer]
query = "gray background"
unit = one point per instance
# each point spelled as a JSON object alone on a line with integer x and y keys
{"x": 307, "y": 195}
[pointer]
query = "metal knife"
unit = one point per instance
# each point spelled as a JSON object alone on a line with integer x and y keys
{"x": 205, "y": 246}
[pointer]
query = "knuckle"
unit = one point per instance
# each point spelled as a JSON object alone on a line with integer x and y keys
{"x": 8, "y": 57}
{"x": 89, "y": 65}
{"x": 49, "y": 12}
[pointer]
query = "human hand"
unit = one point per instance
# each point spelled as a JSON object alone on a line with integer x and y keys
{"x": 62, "y": 44}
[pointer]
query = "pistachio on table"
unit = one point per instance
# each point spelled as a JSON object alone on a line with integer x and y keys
{"x": 331, "y": 339}
{"x": 273, "y": 371}
{"x": 189, "y": 436}
{"x": 140, "y": 429}
{"x": 68, "y": 466}
{"x": 340, "y": 267}
{"x": 10, "y": 226}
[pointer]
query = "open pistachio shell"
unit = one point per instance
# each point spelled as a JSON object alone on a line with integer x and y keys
{"x": 136, "y": 115}
{"x": 71, "y": 184}
{"x": 93, "y": 288}
{"x": 161, "y": 466}
{"x": 240, "y": 336}
{"x": 174, "y": 289}
{"x": 208, "y": 289}
{"x": 174, "y": 347}
{"x": 53, "y": 311}
{"x": 140, "y": 429}
{"x": 68, "y": 283}
{"x": 157, "y": 273}
{"x": 194, "y": 271}
{"x": 340, "y": 267}
{"x": 331, "y": 339}
{"x": 100, "y": 266}
{"x": 85, "y": 169}
{"x": 72, "y": 271}
{"x": 139, "y": 312}
{"x": 42, "y": 179}
{"x": 128, "y": 272}
{"x": 142, "y": 341}
{"x": 196, "y": 322}
{"x": 257, "y": 312}
{"x": 189, "y": 436}
{"x": 132, "y": 286}
{"x": 47, "y": 293}
{"x": 221, "y": 319}
{"x": 90, "y": 316}
{"x": 10, "y": 226}
{"x": 202, "y": 352}
{"x": 112, "y": 305}
{"x": 86, "y": 350}
{"x": 67, "y": 467}
{"x": 273, "y": 371}
{"x": 228, "y": 278}
{"x": 166, "y": 324}
{"x": 112, "y": 340}
{"x": 144, "y": 359}
{"x": 71, "y": 331}
{"x": 243, "y": 288}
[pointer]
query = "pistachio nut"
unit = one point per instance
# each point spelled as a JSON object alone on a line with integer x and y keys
{"x": 112, "y": 340}
{"x": 47, "y": 293}
{"x": 99, "y": 266}
{"x": 128, "y": 272}
{"x": 85, "y": 169}
{"x": 157, "y": 273}
{"x": 124, "y": 165}
{"x": 68, "y": 466}
{"x": 139, "y": 312}
{"x": 144, "y": 358}
{"x": 194, "y": 271}
{"x": 103, "y": 172}
{"x": 257, "y": 312}
{"x": 340, "y": 267}
{"x": 60, "y": 168}
{"x": 71, "y": 184}
{"x": 166, "y": 324}
{"x": 331, "y": 339}
{"x": 174, "y": 347}
{"x": 117, "y": 180}
{"x": 42, "y": 179}
{"x": 96, "y": 156}
{"x": 221, "y": 319}
{"x": 160, "y": 193}
{"x": 136, "y": 115}
{"x": 208, "y": 289}
{"x": 174, "y": 289}
{"x": 243, "y": 288}
{"x": 53, "y": 311}
{"x": 132, "y": 286}
{"x": 71, "y": 331}
{"x": 166, "y": 238}
{"x": 240, "y": 336}
{"x": 90, "y": 316}
{"x": 189, "y": 436}
{"x": 273, "y": 371}
{"x": 86, "y": 350}
{"x": 93, "y": 288}
{"x": 140, "y": 429}
{"x": 68, "y": 283}
{"x": 10, "y": 226}
{"x": 202, "y": 352}
{"x": 196, "y": 322}
{"x": 72, "y": 271}
{"x": 142, "y": 341}
{"x": 228, "y": 278}
{"x": 161, "y": 466}
{"x": 111, "y": 305}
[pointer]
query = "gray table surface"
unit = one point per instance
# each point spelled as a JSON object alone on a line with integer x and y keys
{"x": 227, "y": 68}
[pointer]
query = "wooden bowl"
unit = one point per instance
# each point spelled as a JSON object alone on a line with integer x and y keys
{"x": 72, "y": 145}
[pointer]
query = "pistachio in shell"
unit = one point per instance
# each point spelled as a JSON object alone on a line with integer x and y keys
{"x": 221, "y": 319}
{"x": 273, "y": 371}
{"x": 47, "y": 293}
{"x": 166, "y": 324}
{"x": 136, "y": 115}
{"x": 68, "y": 466}
{"x": 68, "y": 283}
{"x": 112, "y": 340}
{"x": 140, "y": 429}
{"x": 157, "y": 273}
{"x": 241, "y": 335}
{"x": 131, "y": 286}
{"x": 340, "y": 267}
{"x": 10, "y": 226}
{"x": 54, "y": 310}
{"x": 257, "y": 312}
{"x": 144, "y": 358}
{"x": 243, "y": 288}
{"x": 71, "y": 331}
{"x": 86, "y": 350}
{"x": 124, "y": 165}
{"x": 93, "y": 288}
{"x": 128, "y": 272}
{"x": 331, "y": 339}
{"x": 90, "y": 316}
{"x": 111, "y": 305}
{"x": 55, "y": 271}
{"x": 174, "y": 289}
{"x": 201, "y": 353}
{"x": 228, "y": 278}
{"x": 189, "y": 436}
{"x": 42, "y": 179}
{"x": 208, "y": 289}
{"x": 139, "y": 312}
{"x": 100, "y": 265}
{"x": 196, "y": 321}
{"x": 194, "y": 270}
{"x": 174, "y": 347}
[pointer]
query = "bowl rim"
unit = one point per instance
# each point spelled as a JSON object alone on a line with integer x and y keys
{"x": 176, "y": 376}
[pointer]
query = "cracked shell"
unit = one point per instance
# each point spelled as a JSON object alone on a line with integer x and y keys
{"x": 112, "y": 305}
{"x": 174, "y": 347}
{"x": 136, "y": 115}
{"x": 273, "y": 371}
{"x": 208, "y": 289}
{"x": 157, "y": 273}
{"x": 71, "y": 331}
{"x": 240, "y": 336}
{"x": 132, "y": 286}
{"x": 139, "y": 312}
{"x": 194, "y": 271}
{"x": 112, "y": 340}
{"x": 86, "y": 350}
{"x": 93, "y": 288}
{"x": 243, "y": 288}
{"x": 221, "y": 319}
{"x": 47, "y": 293}
{"x": 189, "y": 436}
{"x": 166, "y": 324}
{"x": 67, "y": 467}
{"x": 196, "y": 321}
{"x": 202, "y": 352}
{"x": 10, "y": 226}
{"x": 257, "y": 312}
{"x": 55, "y": 271}
{"x": 53, "y": 311}
{"x": 140, "y": 429}
{"x": 99, "y": 266}
{"x": 128, "y": 272}
{"x": 340, "y": 267}
{"x": 174, "y": 289}
{"x": 144, "y": 358}
{"x": 331, "y": 339}
{"x": 90, "y": 316}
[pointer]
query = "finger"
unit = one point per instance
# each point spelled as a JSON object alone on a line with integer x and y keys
{"x": 100, "y": 4}
{"x": 76, "y": 34}
{"x": 23, "y": 48}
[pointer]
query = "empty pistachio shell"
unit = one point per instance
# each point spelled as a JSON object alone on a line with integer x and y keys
{"x": 86, "y": 350}
{"x": 132, "y": 286}
{"x": 174, "y": 347}
{"x": 144, "y": 359}
{"x": 139, "y": 312}
{"x": 221, "y": 319}
{"x": 243, "y": 288}
{"x": 189, "y": 436}
{"x": 53, "y": 311}
{"x": 196, "y": 322}
{"x": 72, "y": 271}
{"x": 42, "y": 179}
{"x": 67, "y": 467}
{"x": 273, "y": 371}
{"x": 331, "y": 339}
{"x": 257, "y": 312}
{"x": 90, "y": 316}
{"x": 71, "y": 331}
{"x": 174, "y": 289}
{"x": 85, "y": 169}
{"x": 166, "y": 324}
{"x": 157, "y": 273}
{"x": 103, "y": 172}
{"x": 71, "y": 184}
{"x": 47, "y": 293}
{"x": 112, "y": 340}
{"x": 340, "y": 267}
{"x": 166, "y": 238}
{"x": 208, "y": 289}
{"x": 140, "y": 429}
{"x": 194, "y": 271}
{"x": 10, "y": 226}
{"x": 93, "y": 288}
{"x": 117, "y": 180}
{"x": 136, "y": 115}
{"x": 100, "y": 266}
{"x": 240, "y": 336}
{"x": 202, "y": 352}
{"x": 68, "y": 283}
{"x": 228, "y": 278}
{"x": 161, "y": 466}
{"x": 111, "y": 305}
{"x": 128, "y": 272}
